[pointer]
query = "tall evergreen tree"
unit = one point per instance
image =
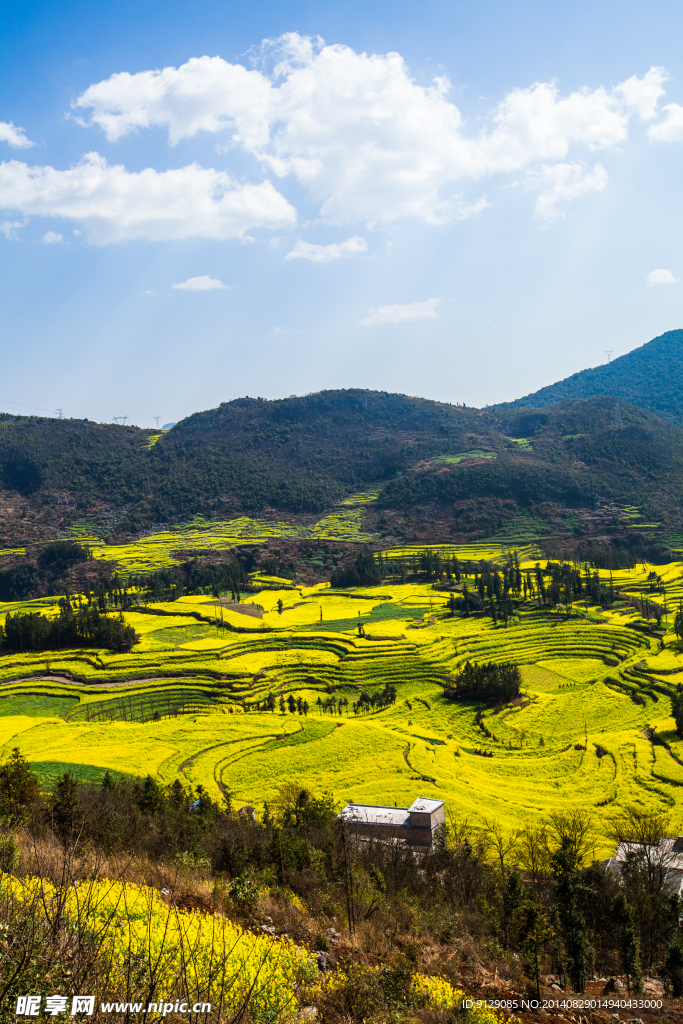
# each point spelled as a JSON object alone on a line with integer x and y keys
{"x": 568, "y": 889}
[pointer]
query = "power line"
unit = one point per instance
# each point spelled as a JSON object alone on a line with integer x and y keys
{"x": 59, "y": 412}
{"x": 608, "y": 353}
{"x": 22, "y": 405}
{"x": 156, "y": 419}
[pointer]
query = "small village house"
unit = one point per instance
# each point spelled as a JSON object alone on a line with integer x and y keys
{"x": 663, "y": 861}
{"x": 415, "y": 825}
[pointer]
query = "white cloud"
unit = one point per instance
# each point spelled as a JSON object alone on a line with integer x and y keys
{"x": 327, "y": 253}
{"x": 114, "y": 205}
{"x": 671, "y": 128}
{"x": 51, "y": 237}
{"x": 357, "y": 131}
{"x": 205, "y": 94}
{"x": 564, "y": 182}
{"x": 402, "y": 314}
{"x": 661, "y": 277}
{"x": 200, "y": 284}
{"x": 8, "y": 228}
{"x": 641, "y": 95}
{"x": 149, "y": 292}
{"x": 16, "y": 137}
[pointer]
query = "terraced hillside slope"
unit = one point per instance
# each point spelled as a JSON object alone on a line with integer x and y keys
{"x": 438, "y": 472}
{"x": 650, "y": 376}
{"x": 349, "y": 690}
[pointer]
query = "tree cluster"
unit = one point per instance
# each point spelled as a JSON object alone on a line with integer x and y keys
{"x": 84, "y": 626}
{"x": 364, "y": 571}
{"x": 488, "y": 684}
{"x": 383, "y": 698}
{"x": 677, "y": 710}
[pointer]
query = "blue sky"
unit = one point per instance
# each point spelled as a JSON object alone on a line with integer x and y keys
{"x": 460, "y": 201}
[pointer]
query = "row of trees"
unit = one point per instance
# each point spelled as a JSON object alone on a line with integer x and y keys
{"x": 194, "y": 576}
{"x": 330, "y": 705}
{"x": 293, "y": 705}
{"x": 494, "y": 587}
{"x": 496, "y": 591}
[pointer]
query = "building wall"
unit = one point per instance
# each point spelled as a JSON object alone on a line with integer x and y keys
{"x": 406, "y": 833}
{"x": 425, "y": 819}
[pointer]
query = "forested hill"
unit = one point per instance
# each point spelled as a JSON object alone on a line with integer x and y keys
{"x": 296, "y": 455}
{"x": 650, "y": 376}
{"x": 441, "y": 471}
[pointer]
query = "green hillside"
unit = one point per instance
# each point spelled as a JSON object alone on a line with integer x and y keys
{"x": 298, "y": 455}
{"x": 414, "y": 471}
{"x": 651, "y": 376}
{"x": 562, "y": 462}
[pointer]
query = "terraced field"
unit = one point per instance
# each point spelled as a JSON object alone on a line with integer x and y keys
{"x": 164, "y": 548}
{"x": 190, "y": 700}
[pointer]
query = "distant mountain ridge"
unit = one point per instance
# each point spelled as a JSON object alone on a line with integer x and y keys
{"x": 650, "y": 377}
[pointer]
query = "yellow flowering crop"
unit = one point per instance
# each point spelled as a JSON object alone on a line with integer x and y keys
{"x": 440, "y": 995}
{"x": 435, "y": 993}
{"x": 179, "y": 952}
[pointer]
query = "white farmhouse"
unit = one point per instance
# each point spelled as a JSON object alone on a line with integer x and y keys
{"x": 663, "y": 861}
{"x": 415, "y": 825}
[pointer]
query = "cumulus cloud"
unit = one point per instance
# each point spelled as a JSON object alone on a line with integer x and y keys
{"x": 200, "y": 284}
{"x": 661, "y": 277}
{"x": 52, "y": 237}
{"x": 671, "y": 128}
{"x": 356, "y": 130}
{"x": 15, "y": 137}
{"x": 402, "y": 314}
{"x": 115, "y": 205}
{"x": 641, "y": 95}
{"x": 562, "y": 182}
{"x": 326, "y": 253}
{"x": 205, "y": 94}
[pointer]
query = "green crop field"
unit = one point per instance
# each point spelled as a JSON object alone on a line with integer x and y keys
{"x": 188, "y": 700}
